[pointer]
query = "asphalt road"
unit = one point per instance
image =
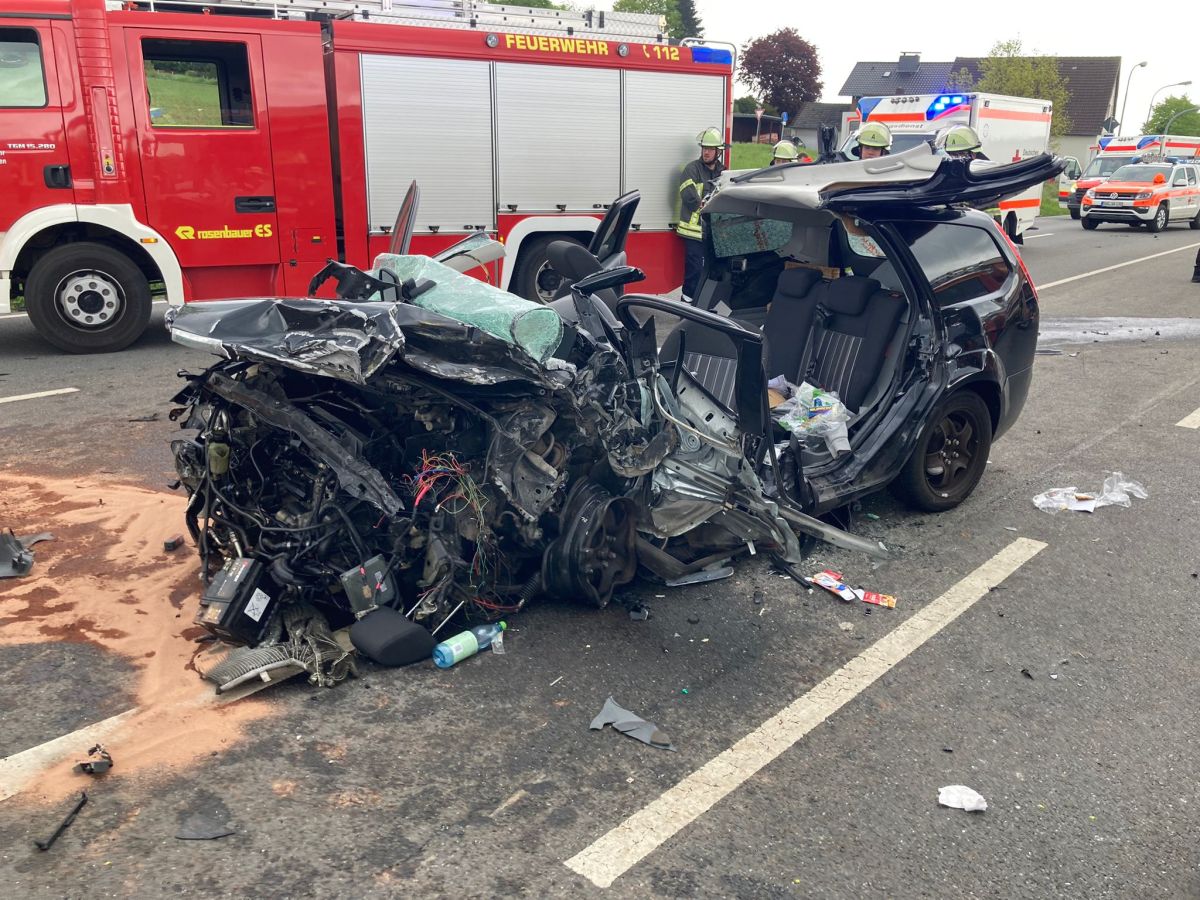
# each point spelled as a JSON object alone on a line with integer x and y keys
{"x": 484, "y": 780}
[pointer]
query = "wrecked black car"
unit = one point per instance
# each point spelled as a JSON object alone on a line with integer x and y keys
{"x": 428, "y": 447}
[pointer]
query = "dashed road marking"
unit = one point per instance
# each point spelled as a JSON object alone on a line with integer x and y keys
{"x": 1121, "y": 265}
{"x": 641, "y": 834}
{"x": 38, "y": 395}
{"x": 1190, "y": 421}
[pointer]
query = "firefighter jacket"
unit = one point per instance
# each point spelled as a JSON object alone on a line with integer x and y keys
{"x": 695, "y": 185}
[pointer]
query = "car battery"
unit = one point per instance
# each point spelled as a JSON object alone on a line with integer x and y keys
{"x": 234, "y": 607}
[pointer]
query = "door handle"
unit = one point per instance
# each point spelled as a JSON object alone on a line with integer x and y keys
{"x": 254, "y": 204}
{"x": 57, "y": 176}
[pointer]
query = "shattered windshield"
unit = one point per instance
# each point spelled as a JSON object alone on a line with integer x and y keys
{"x": 737, "y": 235}
{"x": 1140, "y": 174}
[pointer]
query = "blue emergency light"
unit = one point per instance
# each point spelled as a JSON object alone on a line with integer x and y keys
{"x": 715, "y": 56}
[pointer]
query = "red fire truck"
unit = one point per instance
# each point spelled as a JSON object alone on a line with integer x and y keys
{"x": 229, "y": 148}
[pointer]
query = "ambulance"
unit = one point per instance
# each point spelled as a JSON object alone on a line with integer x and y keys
{"x": 1114, "y": 151}
{"x": 1011, "y": 129}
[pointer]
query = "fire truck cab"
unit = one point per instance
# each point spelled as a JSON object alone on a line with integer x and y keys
{"x": 197, "y": 151}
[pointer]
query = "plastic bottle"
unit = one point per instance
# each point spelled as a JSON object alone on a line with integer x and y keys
{"x": 466, "y": 644}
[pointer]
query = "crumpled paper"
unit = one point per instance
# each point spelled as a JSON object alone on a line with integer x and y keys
{"x": 959, "y": 796}
{"x": 1116, "y": 492}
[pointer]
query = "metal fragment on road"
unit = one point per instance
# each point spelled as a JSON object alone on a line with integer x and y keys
{"x": 959, "y": 796}
{"x": 631, "y": 724}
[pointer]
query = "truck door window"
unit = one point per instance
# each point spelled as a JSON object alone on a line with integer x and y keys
{"x": 1191, "y": 174}
{"x": 22, "y": 82}
{"x": 198, "y": 84}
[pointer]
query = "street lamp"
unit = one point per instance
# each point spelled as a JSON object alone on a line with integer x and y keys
{"x": 1154, "y": 96}
{"x": 1170, "y": 122}
{"x": 1125, "y": 102}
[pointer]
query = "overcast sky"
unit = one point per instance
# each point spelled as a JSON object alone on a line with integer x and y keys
{"x": 845, "y": 33}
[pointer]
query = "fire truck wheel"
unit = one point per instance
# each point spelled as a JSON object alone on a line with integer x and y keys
{"x": 1075, "y": 214}
{"x": 534, "y": 279}
{"x": 1159, "y": 222}
{"x": 88, "y": 298}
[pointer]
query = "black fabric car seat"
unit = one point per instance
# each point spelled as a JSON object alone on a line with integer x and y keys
{"x": 710, "y": 357}
{"x": 855, "y": 321}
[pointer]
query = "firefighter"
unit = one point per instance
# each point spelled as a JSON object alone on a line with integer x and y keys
{"x": 696, "y": 185}
{"x": 962, "y": 142}
{"x": 874, "y": 140}
{"x": 784, "y": 152}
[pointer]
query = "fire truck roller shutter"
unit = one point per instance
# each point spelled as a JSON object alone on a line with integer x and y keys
{"x": 429, "y": 120}
{"x": 558, "y": 137}
{"x": 663, "y": 112}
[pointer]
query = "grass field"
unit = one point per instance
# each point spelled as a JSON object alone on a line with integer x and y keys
{"x": 185, "y": 99}
{"x": 755, "y": 156}
{"x": 1050, "y": 205}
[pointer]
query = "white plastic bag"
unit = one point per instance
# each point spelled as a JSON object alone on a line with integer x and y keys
{"x": 812, "y": 411}
{"x": 1117, "y": 491}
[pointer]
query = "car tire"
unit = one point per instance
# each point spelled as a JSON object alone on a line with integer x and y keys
{"x": 533, "y": 277}
{"x": 88, "y": 298}
{"x": 1075, "y": 214}
{"x": 1089, "y": 224}
{"x": 1162, "y": 218}
{"x": 941, "y": 474}
{"x": 1194, "y": 222}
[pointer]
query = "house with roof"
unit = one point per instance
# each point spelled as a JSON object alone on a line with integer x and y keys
{"x": 1091, "y": 80}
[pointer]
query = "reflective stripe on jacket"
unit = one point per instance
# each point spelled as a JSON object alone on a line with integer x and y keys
{"x": 695, "y": 184}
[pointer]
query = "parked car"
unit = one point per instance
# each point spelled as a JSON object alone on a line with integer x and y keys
{"x": 1150, "y": 194}
{"x": 434, "y": 445}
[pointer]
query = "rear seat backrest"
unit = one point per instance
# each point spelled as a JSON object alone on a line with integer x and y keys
{"x": 861, "y": 319}
{"x": 789, "y": 321}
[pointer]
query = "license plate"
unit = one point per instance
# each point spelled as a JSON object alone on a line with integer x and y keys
{"x": 1111, "y": 203}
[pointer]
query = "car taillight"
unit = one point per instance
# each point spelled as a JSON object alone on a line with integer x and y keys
{"x": 1017, "y": 254}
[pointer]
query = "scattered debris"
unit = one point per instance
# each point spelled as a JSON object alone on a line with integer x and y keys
{"x": 1116, "y": 492}
{"x": 97, "y": 766}
{"x": 872, "y": 517}
{"x": 1009, "y": 528}
{"x": 173, "y": 543}
{"x": 760, "y": 597}
{"x": 832, "y": 582}
{"x": 959, "y": 796}
{"x": 557, "y": 680}
{"x": 386, "y": 637}
{"x": 1054, "y": 676}
{"x": 947, "y": 749}
{"x": 701, "y": 577}
{"x": 16, "y": 559}
{"x": 201, "y": 827}
{"x": 631, "y": 725}
{"x": 639, "y": 613}
{"x": 846, "y": 626}
{"x": 1027, "y": 673}
{"x": 1048, "y": 352}
{"x": 152, "y": 417}
{"x": 64, "y": 824}
{"x": 693, "y": 620}
{"x": 511, "y": 801}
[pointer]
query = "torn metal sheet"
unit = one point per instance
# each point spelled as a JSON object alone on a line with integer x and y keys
{"x": 16, "y": 559}
{"x": 632, "y": 725}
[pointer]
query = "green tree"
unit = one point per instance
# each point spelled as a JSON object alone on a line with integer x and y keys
{"x": 749, "y": 104}
{"x": 690, "y": 24}
{"x": 962, "y": 80}
{"x": 544, "y": 4}
{"x": 667, "y": 8}
{"x": 1188, "y": 123}
{"x": 783, "y": 69}
{"x": 1006, "y": 70}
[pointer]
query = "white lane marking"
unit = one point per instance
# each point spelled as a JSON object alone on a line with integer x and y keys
{"x": 38, "y": 395}
{"x": 1190, "y": 421}
{"x": 1043, "y": 287}
{"x": 638, "y": 836}
{"x": 18, "y": 770}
